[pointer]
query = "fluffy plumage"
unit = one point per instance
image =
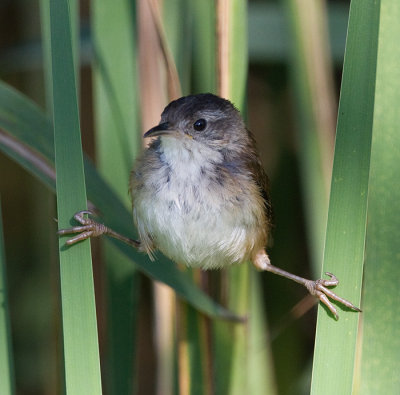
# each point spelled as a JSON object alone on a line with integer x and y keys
{"x": 200, "y": 196}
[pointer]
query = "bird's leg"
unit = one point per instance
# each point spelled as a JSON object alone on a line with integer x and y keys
{"x": 316, "y": 288}
{"x": 91, "y": 228}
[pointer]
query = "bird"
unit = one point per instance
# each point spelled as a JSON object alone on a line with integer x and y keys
{"x": 200, "y": 195}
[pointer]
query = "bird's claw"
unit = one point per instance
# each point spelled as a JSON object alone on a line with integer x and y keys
{"x": 319, "y": 289}
{"x": 88, "y": 228}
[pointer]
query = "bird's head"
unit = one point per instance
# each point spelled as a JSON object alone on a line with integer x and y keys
{"x": 205, "y": 118}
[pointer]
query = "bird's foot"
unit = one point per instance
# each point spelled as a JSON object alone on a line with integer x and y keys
{"x": 316, "y": 288}
{"x": 88, "y": 228}
{"x": 319, "y": 289}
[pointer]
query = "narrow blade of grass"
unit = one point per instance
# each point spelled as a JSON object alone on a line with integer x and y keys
{"x": 335, "y": 345}
{"x": 7, "y": 382}
{"x": 81, "y": 353}
{"x": 35, "y": 131}
{"x": 380, "y": 350}
{"x": 46, "y": 51}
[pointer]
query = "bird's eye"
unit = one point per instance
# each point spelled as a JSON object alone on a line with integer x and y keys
{"x": 200, "y": 125}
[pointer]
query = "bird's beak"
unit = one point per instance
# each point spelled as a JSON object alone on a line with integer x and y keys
{"x": 159, "y": 130}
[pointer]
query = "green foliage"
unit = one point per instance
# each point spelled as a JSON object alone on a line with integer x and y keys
{"x": 81, "y": 349}
{"x": 359, "y": 353}
{"x": 380, "y": 348}
{"x": 364, "y": 184}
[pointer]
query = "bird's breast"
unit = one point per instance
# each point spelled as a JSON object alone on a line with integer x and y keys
{"x": 194, "y": 214}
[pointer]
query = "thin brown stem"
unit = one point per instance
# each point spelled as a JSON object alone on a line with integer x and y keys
{"x": 173, "y": 82}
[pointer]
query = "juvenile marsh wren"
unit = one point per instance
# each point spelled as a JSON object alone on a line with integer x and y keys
{"x": 200, "y": 194}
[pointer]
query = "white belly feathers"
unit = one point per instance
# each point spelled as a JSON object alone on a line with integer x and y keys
{"x": 186, "y": 220}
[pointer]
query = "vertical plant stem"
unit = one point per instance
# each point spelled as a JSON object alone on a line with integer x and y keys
{"x": 81, "y": 353}
{"x": 335, "y": 344}
{"x": 380, "y": 349}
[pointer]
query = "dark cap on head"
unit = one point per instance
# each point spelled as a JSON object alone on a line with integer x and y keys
{"x": 202, "y": 102}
